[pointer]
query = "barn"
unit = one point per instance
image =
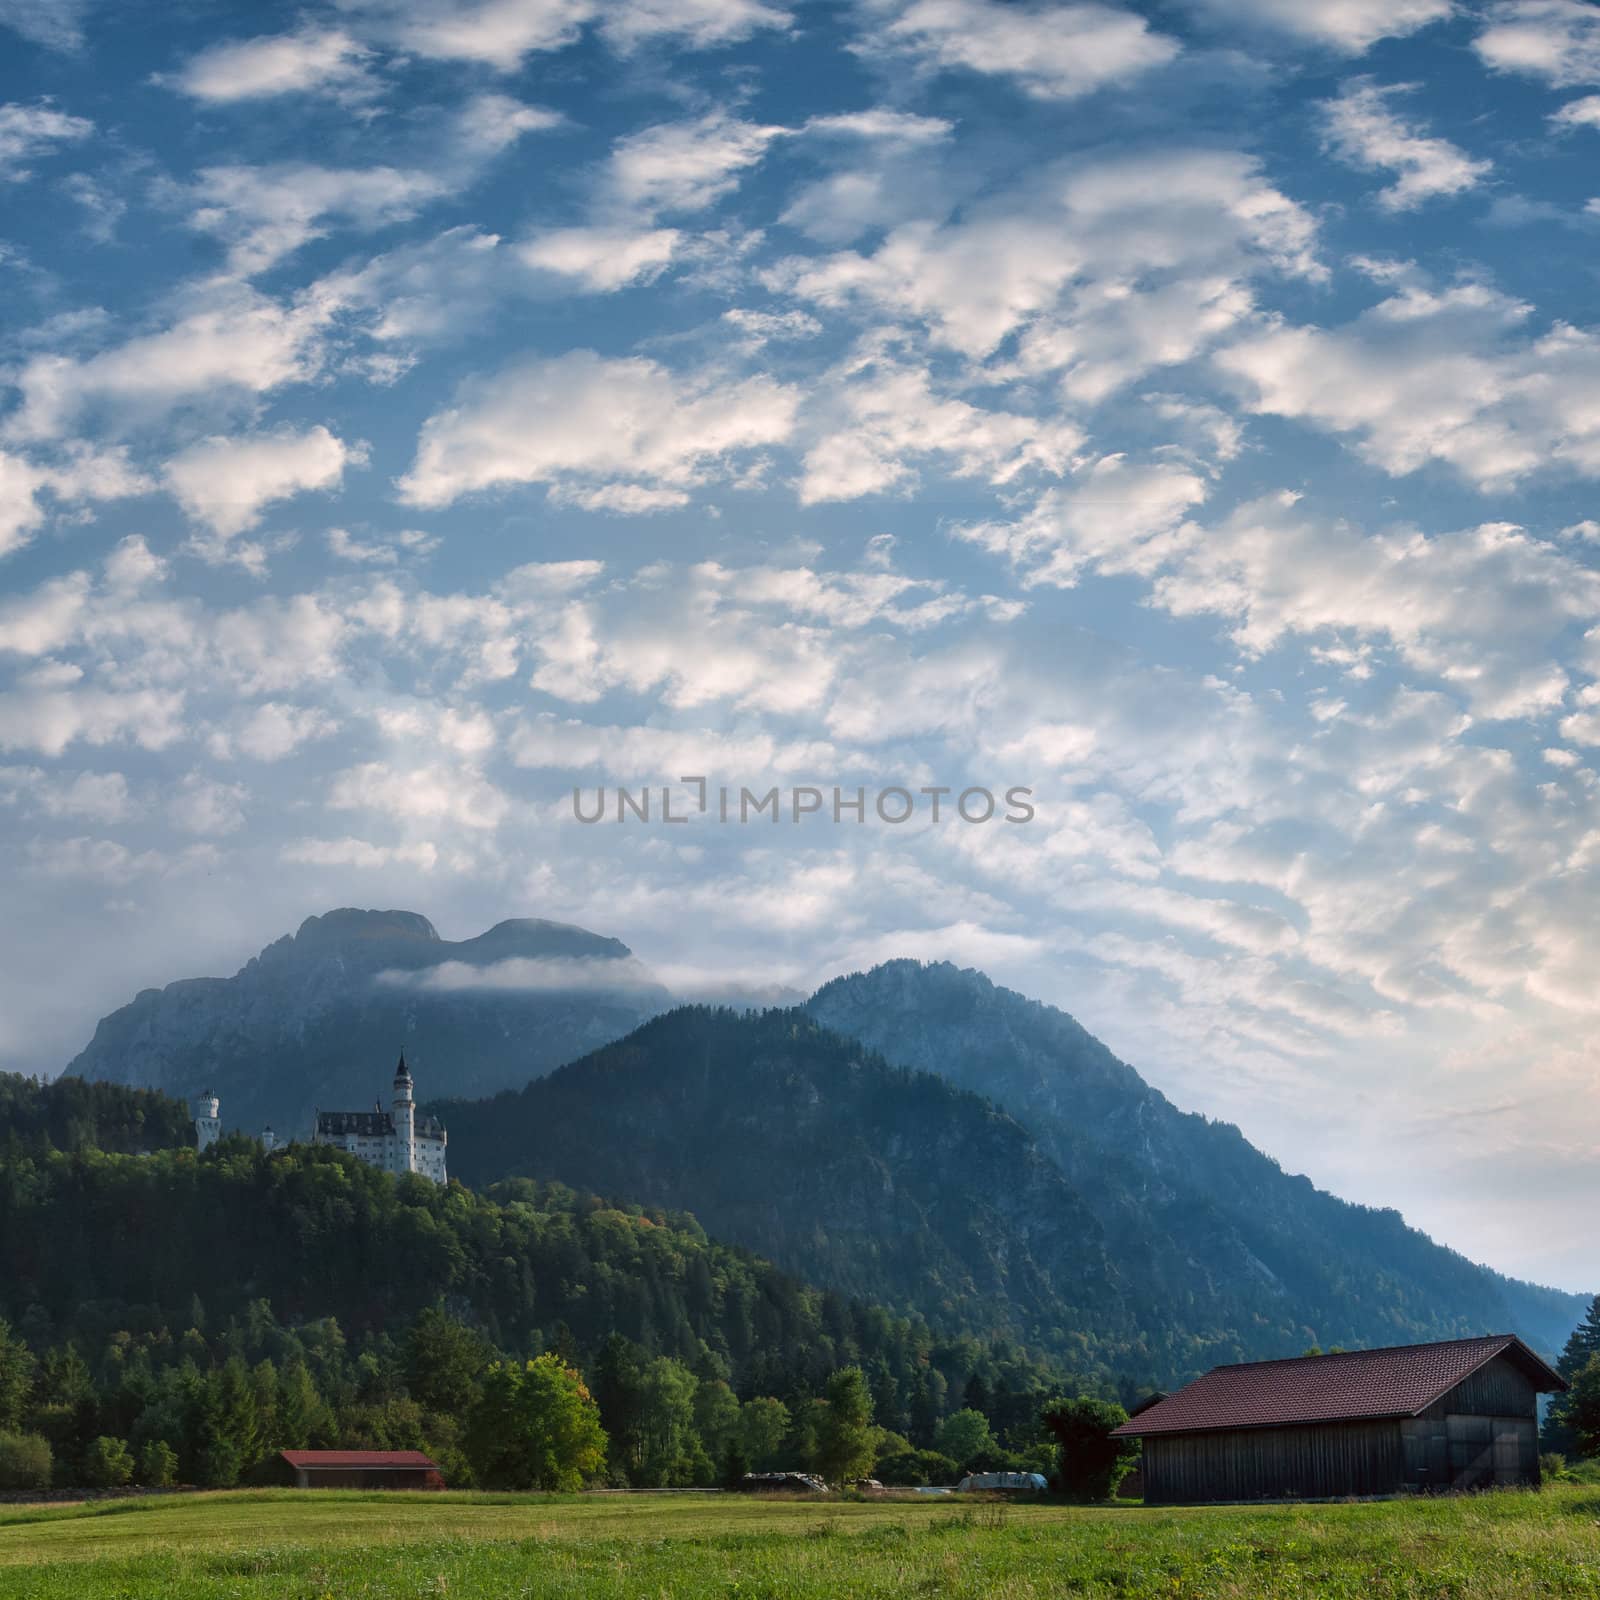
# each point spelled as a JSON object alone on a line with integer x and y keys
{"x": 1462, "y": 1414}
{"x": 362, "y": 1469}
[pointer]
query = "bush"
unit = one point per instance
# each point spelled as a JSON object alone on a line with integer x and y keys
{"x": 1092, "y": 1463}
{"x": 911, "y": 1469}
{"x": 107, "y": 1464}
{"x": 25, "y": 1461}
{"x": 158, "y": 1465}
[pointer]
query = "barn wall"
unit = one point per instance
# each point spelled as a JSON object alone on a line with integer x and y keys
{"x": 1498, "y": 1389}
{"x": 1483, "y": 1433}
{"x": 1326, "y": 1460}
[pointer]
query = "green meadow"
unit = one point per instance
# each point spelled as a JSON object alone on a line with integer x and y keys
{"x": 329, "y": 1545}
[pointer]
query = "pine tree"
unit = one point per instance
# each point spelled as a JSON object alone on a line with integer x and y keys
{"x": 1583, "y": 1344}
{"x": 846, "y": 1440}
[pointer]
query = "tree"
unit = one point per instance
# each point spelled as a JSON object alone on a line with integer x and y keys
{"x": 24, "y": 1461}
{"x": 1092, "y": 1463}
{"x": 535, "y": 1427}
{"x": 1583, "y": 1407}
{"x": 913, "y": 1468}
{"x": 16, "y": 1378}
{"x": 158, "y": 1465}
{"x": 443, "y": 1358}
{"x": 107, "y": 1463}
{"x": 964, "y": 1436}
{"x": 1583, "y": 1345}
{"x": 716, "y": 1417}
{"x": 763, "y": 1425}
{"x": 667, "y": 1438}
{"x": 1558, "y": 1433}
{"x": 847, "y": 1443}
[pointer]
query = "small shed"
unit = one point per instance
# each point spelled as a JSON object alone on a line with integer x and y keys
{"x": 363, "y": 1469}
{"x": 1461, "y": 1414}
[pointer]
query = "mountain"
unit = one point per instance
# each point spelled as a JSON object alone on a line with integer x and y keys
{"x": 1264, "y": 1260}
{"x": 1102, "y": 1226}
{"x": 797, "y": 1143}
{"x": 316, "y": 1019}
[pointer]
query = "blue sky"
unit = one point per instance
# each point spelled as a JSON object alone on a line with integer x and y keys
{"x": 414, "y": 408}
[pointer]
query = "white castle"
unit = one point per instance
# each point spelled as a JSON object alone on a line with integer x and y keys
{"x": 393, "y": 1140}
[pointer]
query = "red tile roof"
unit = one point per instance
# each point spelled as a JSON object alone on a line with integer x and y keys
{"x": 1397, "y": 1382}
{"x": 354, "y": 1460}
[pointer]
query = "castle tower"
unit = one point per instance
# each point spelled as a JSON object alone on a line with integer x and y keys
{"x": 405, "y": 1119}
{"x": 207, "y": 1122}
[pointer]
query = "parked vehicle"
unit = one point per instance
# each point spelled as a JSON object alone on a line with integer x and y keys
{"x": 1011, "y": 1482}
{"x": 781, "y": 1483}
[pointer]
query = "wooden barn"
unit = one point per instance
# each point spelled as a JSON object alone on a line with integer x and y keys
{"x": 362, "y": 1469}
{"x": 1457, "y": 1415}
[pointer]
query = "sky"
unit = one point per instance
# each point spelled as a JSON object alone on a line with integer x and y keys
{"x": 412, "y": 411}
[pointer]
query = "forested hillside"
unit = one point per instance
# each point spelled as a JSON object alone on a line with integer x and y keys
{"x": 1187, "y": 1204}
{"x": 230, "y": 1304}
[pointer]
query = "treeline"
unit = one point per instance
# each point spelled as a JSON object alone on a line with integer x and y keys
{"x": 229, "y": 1305}
{"x": 75, "y": 1114}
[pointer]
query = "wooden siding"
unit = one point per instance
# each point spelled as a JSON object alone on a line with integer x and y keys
{"x": 1498, "y": 1389}
{"x": 1322, "y": 1460}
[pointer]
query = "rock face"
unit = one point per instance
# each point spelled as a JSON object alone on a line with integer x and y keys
{"x": 317, "y": 1019}
{"x": 1261, "y": 1261}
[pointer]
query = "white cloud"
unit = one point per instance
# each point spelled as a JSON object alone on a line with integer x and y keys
{"x": 311, "y": 60}
{"x": 232, "y": 340}
{"x": 1364, "y": 131}
{"x": 1052, "y": 51}
{"x": 684, "y": 166}
{"x": 602, "y": 259}
{"x": 882, "y": 125}
{"x": 1115, "y": 517}
{"x": 694, "y": 24}
{"x": 625, "y": 435}
{"x": 81, "y": 475}
{"x": 92, "y": 796}
{"x": 499, "y": 33}
{"x": 132, "y": 564}
{"x": 1582, "y": 113}
{"x": 490, "y": 123}
{"x": 275, "y": 730}
{"x": 496, "y": 33}
{"x": 1436, "y": 375}
{"x": 348, "y": 852}
{"x": 28, "y": 131}
{"x": 882, "y": 415}
{"x": 227, "y": 484}
{"x": 427, "y": 793}
{"x": 1483, "y": 610}
{"x": 55, "y": 24}
{"x": 198, "y": 804}
{"x": 1349, "y": 26}
{"x": 1109, "y": 234}
{"x": 266, "y": 213}
{"x": 49, "y": 720}
{"x": 1556, "y": 40}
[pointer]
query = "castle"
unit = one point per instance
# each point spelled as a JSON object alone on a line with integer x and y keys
{"x": 393, "y": 1140}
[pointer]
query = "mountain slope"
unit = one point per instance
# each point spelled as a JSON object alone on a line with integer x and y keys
{"x": 1269, "y": 1262}
{"x": 317, "y": 1019}
{"x": 868, "y": 1179}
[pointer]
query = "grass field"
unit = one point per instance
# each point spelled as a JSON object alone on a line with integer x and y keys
{"x": 328, "y": 1545}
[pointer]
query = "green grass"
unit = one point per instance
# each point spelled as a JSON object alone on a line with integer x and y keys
{"x": 330, "y": 1545}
